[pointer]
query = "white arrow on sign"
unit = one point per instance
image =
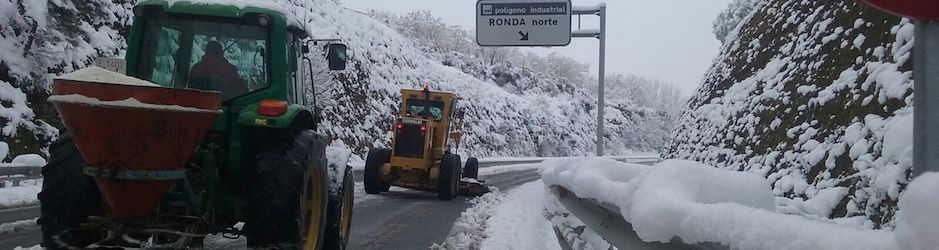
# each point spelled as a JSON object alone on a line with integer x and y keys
{"x": 523, "y": 23}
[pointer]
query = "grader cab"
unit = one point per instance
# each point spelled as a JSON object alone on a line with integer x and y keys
{"x": 426, "y": 136}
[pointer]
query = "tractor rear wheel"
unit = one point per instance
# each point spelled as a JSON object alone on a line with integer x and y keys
{"x": 448, "y": 180}
{"x": 374, "y": 184}
{"x": 288, "y": 192}
{"x": 471, "y": 169}
{"x": 339, "y": 212}
{"x": 67, "y": 198}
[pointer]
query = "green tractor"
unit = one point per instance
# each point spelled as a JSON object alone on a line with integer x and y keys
{"x": 260, "y": 160}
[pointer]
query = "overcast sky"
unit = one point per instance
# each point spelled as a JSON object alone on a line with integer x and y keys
{"x": 666, "y": 39}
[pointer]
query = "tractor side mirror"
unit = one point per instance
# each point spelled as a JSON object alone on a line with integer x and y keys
{"x": 336, "y": 55}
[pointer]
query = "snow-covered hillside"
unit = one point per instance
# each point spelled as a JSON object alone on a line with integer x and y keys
{"x": 816, "y": 96}
{"x": 531, "y": 115}
{"x": 510, "y": 110}
{"x": 38, "y": 40}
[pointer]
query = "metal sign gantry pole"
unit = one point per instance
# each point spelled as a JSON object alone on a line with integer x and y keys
{"x": 599, "y": 10}
{"x": 926, "y": 98}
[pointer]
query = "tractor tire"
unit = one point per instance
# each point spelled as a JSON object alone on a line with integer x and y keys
{"x": 67, "y": 198}
{"x": 339, "y": 211}
{"x": 448, "y": 181}
{"x": 471, "y": 169}
{"x": 373, "y": 162}
{"x": 287, "y": 196}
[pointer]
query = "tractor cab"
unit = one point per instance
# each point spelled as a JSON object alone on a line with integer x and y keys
{"x": 239, "y": 52}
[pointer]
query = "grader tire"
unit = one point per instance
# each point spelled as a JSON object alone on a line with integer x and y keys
{"x": 471, "y": 169}
{"x": 339, "y": 212}
{"x": 287, "y": 206}
{"x": 67, "y": 198}
{"x": 448, "y": 183}
{"x": 373, "y": 162}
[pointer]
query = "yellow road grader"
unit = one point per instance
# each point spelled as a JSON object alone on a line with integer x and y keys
{"x": 426, "y": 134}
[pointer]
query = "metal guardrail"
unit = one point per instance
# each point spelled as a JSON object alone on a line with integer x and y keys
{"x": 17, "y": 173}
{"x": 607, "y": 221}
{"x": 626, "y": 159}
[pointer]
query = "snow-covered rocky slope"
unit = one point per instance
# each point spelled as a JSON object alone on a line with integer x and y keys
{"x": 816, "y": 96}
{"x": 548, "y": 118}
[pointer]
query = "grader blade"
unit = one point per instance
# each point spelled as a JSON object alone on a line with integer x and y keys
{"x": 470, "y": 187}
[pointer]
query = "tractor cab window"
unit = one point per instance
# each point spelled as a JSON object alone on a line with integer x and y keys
{"x": 418, "y": 107}
{"x": 222, "y": 54}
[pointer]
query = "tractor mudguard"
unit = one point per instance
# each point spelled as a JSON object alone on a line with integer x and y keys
{"x": 249, "y": 116}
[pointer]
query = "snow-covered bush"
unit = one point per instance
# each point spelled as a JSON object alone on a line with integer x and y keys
{"x": 816, "y": 96}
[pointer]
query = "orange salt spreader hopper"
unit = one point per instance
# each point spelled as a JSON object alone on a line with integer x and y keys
{"x": 135, "y": 139}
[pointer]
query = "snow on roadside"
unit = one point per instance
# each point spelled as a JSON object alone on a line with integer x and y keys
{"x": 507, "y": 168}
{"x": 519, "y": 222}
{"x": 512, "y": 220}
{"x": 10, "y": 227}
{"x": 468, "y": 231}
{"x": 700, "y": 203}
{"x": 24, "y": 195}
{"x": 29, "y": 160}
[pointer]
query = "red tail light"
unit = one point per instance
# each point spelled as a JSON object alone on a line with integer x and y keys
{"x": 423, "y": 128}
{"x": 272, "y": 107}
{"x": 399, "y": 126}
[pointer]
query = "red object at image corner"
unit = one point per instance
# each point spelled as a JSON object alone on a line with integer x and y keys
{"x": 927, "y": 10}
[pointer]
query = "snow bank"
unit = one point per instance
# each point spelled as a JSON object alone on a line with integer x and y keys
{"x": 519, "y": 223}
{"x": 24, "y": 195}
{"x": 29, "y": 160}
{"x": 700, "y": 203}
{"x": 468, "y": 231}
{"x": 99, "y": 75}
{"x": 11, "y": 227}
{"x": 486, "y": 171}
{"x": 512, "y": 220}
{"x": 918, "y": 217}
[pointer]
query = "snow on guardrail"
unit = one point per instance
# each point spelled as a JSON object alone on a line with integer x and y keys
{"x": 16, "y": 172}
{"x": 697, "y": 203}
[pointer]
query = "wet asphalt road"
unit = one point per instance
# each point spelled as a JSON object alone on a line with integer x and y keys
{"x": 399, "y": 219}
{"x": 409, "y": 219}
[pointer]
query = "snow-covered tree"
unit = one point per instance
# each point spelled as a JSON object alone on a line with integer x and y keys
{"x": 40, "y": 39}
{"x": 731, "y": 17}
